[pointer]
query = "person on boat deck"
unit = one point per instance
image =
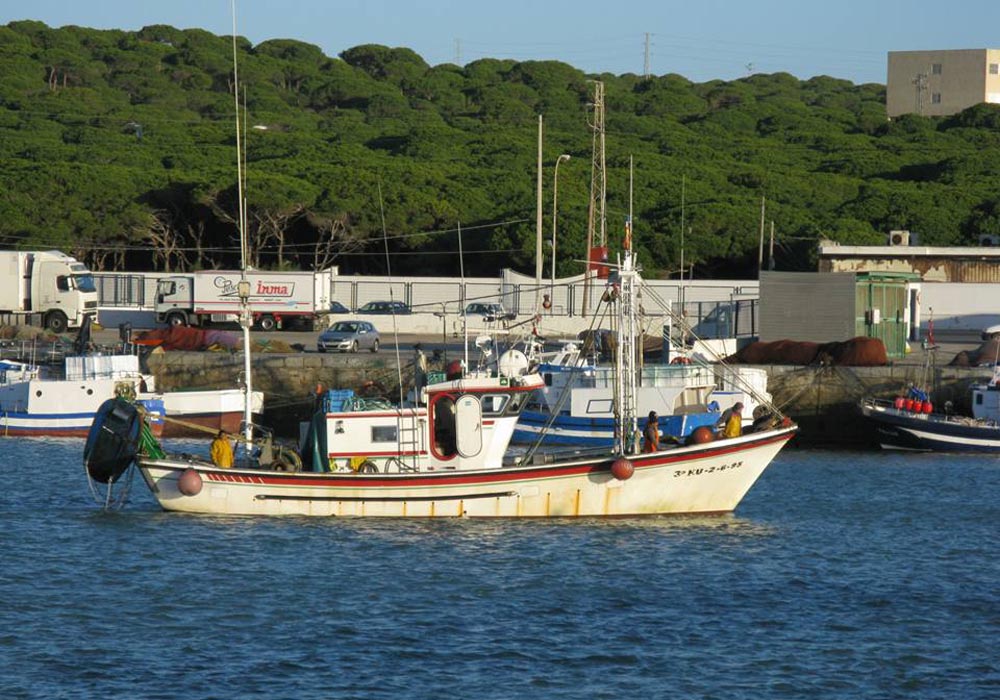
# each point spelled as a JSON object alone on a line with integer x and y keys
{"x": 734, "y": 425}
{"x": 221, "y": 451}
{"x": 651, "y": 433}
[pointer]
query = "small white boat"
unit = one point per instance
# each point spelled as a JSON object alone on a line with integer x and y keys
{"x": 37, "y": 400}
{"x": 62, "y": 402}
{"x": 196, "y": 413}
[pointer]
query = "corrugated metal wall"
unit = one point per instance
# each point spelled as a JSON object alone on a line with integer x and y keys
{"x": 813, "y": 306}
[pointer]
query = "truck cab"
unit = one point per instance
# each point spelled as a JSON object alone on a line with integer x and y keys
{"x": 174, "y": 300}
{"x": 49, "y": 284}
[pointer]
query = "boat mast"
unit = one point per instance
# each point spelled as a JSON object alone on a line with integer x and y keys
{"x": 628, "y": 332}
{"x": 246, "y": 315}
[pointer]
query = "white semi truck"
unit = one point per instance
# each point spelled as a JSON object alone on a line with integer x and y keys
{"x": 277, "y": 299}
{"x": 47, "y": 285}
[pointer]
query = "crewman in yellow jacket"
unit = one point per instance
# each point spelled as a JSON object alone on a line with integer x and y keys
{"x": 734, "y": 426}
{"x": 221, "y": 451}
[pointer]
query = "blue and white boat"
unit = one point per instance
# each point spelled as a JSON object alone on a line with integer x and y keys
{"x": 576, "y": 406}
{"x": 910, "y": 423}
{"x": 35, "y": 402}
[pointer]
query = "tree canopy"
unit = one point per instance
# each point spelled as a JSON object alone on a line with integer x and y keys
{"x": 117, "y": 143}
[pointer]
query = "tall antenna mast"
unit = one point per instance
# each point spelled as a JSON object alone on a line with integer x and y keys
{"x": 645, "y": 59}
{"x": 596, "y": 214}
{"x": 246, "y": 315}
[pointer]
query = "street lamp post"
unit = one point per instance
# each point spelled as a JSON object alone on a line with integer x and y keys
{"x": 555, "y": 211}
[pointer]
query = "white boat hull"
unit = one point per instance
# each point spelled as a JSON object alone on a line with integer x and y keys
{"x": 701, "y": 479}
{"x": 192, "y": 413}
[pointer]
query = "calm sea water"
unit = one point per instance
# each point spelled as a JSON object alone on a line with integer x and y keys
{"x": 842, "y": 575}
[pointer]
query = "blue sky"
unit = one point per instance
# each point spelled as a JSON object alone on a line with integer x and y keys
{"x": 701, "y": 40}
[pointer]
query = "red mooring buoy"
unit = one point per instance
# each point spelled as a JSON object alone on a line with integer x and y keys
{"x": 189, "y": 482}
{"x": 622, "y": 469}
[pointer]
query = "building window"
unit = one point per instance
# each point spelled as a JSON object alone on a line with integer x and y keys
{"x": 936, "y": 98}
{"x": 995, "y": 69}
{"x": 936, "y": 68}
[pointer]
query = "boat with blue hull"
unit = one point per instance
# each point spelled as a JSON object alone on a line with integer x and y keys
{"x": 901, "y": 429}
{"x": 910, "y": 422}
{"x": 576, "y": 405}
{"x": 591, "y": 432}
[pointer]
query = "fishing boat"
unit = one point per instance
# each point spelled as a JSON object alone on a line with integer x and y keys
{"x": 576, "y": 404}
{"x": 38, "y": 400}
{"x": 446, "y": 454}
{"x": 61, "y": 401}
{"x": 911, "y": 423}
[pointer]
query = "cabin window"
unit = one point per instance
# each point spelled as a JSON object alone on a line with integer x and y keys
{"x": 979, "y": 399}
{"x": 516, "y": 403}
{"x": 548, "y": 378}
{"x": 383, "y": 433}
{"x": 62, "y": 283}
{"x": 493, "y": 404}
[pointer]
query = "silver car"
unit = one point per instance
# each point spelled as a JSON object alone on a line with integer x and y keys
{"x": 348, "y": 336}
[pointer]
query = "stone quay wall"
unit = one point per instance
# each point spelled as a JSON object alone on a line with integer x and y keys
{"x": 822, "y": 400}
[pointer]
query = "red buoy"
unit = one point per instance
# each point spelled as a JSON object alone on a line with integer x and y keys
{"x": 928, "y": 407}
{"x": 622, "y": 469}
{"x": 454, "y": 370}
{"x": 701, "y": 435}
{"x": 918, "y": 406}
{"x": 900, "y": 403}
{"x": 908, "y": 404}
{"x": 189, "y": 482}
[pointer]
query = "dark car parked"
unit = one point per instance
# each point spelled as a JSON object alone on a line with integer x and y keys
{"x": 384, "y": 307}
{"x": 337, "y": 308}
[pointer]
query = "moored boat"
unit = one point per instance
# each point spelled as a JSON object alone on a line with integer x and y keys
{"x": 576, "y": 404}
{"x": 444, "y": 456}
{"x": 911, "y": 423}
{"x": 38, "y": 401}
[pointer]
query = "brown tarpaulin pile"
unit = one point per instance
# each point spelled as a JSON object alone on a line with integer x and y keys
{"x": 856, "y": 352}
{"x": 195, "y": 339}
{"x": 986, "y": 354}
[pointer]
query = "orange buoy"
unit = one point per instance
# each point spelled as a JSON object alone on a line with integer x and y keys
{"x": 189, "y": 482}
{"x": 701, "y": 435}
{"x": 622, "y": 469}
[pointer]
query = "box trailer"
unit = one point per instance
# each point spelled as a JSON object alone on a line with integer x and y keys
{"x": 277, "y": 299}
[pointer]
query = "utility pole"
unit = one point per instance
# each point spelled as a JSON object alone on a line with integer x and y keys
{"x": 645, "y": 60}
{"x": 770, "y": 252}
{"x": 596, "y": 214}
{"x": 538, "y": 221}
{"x": 760, "y": 249}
